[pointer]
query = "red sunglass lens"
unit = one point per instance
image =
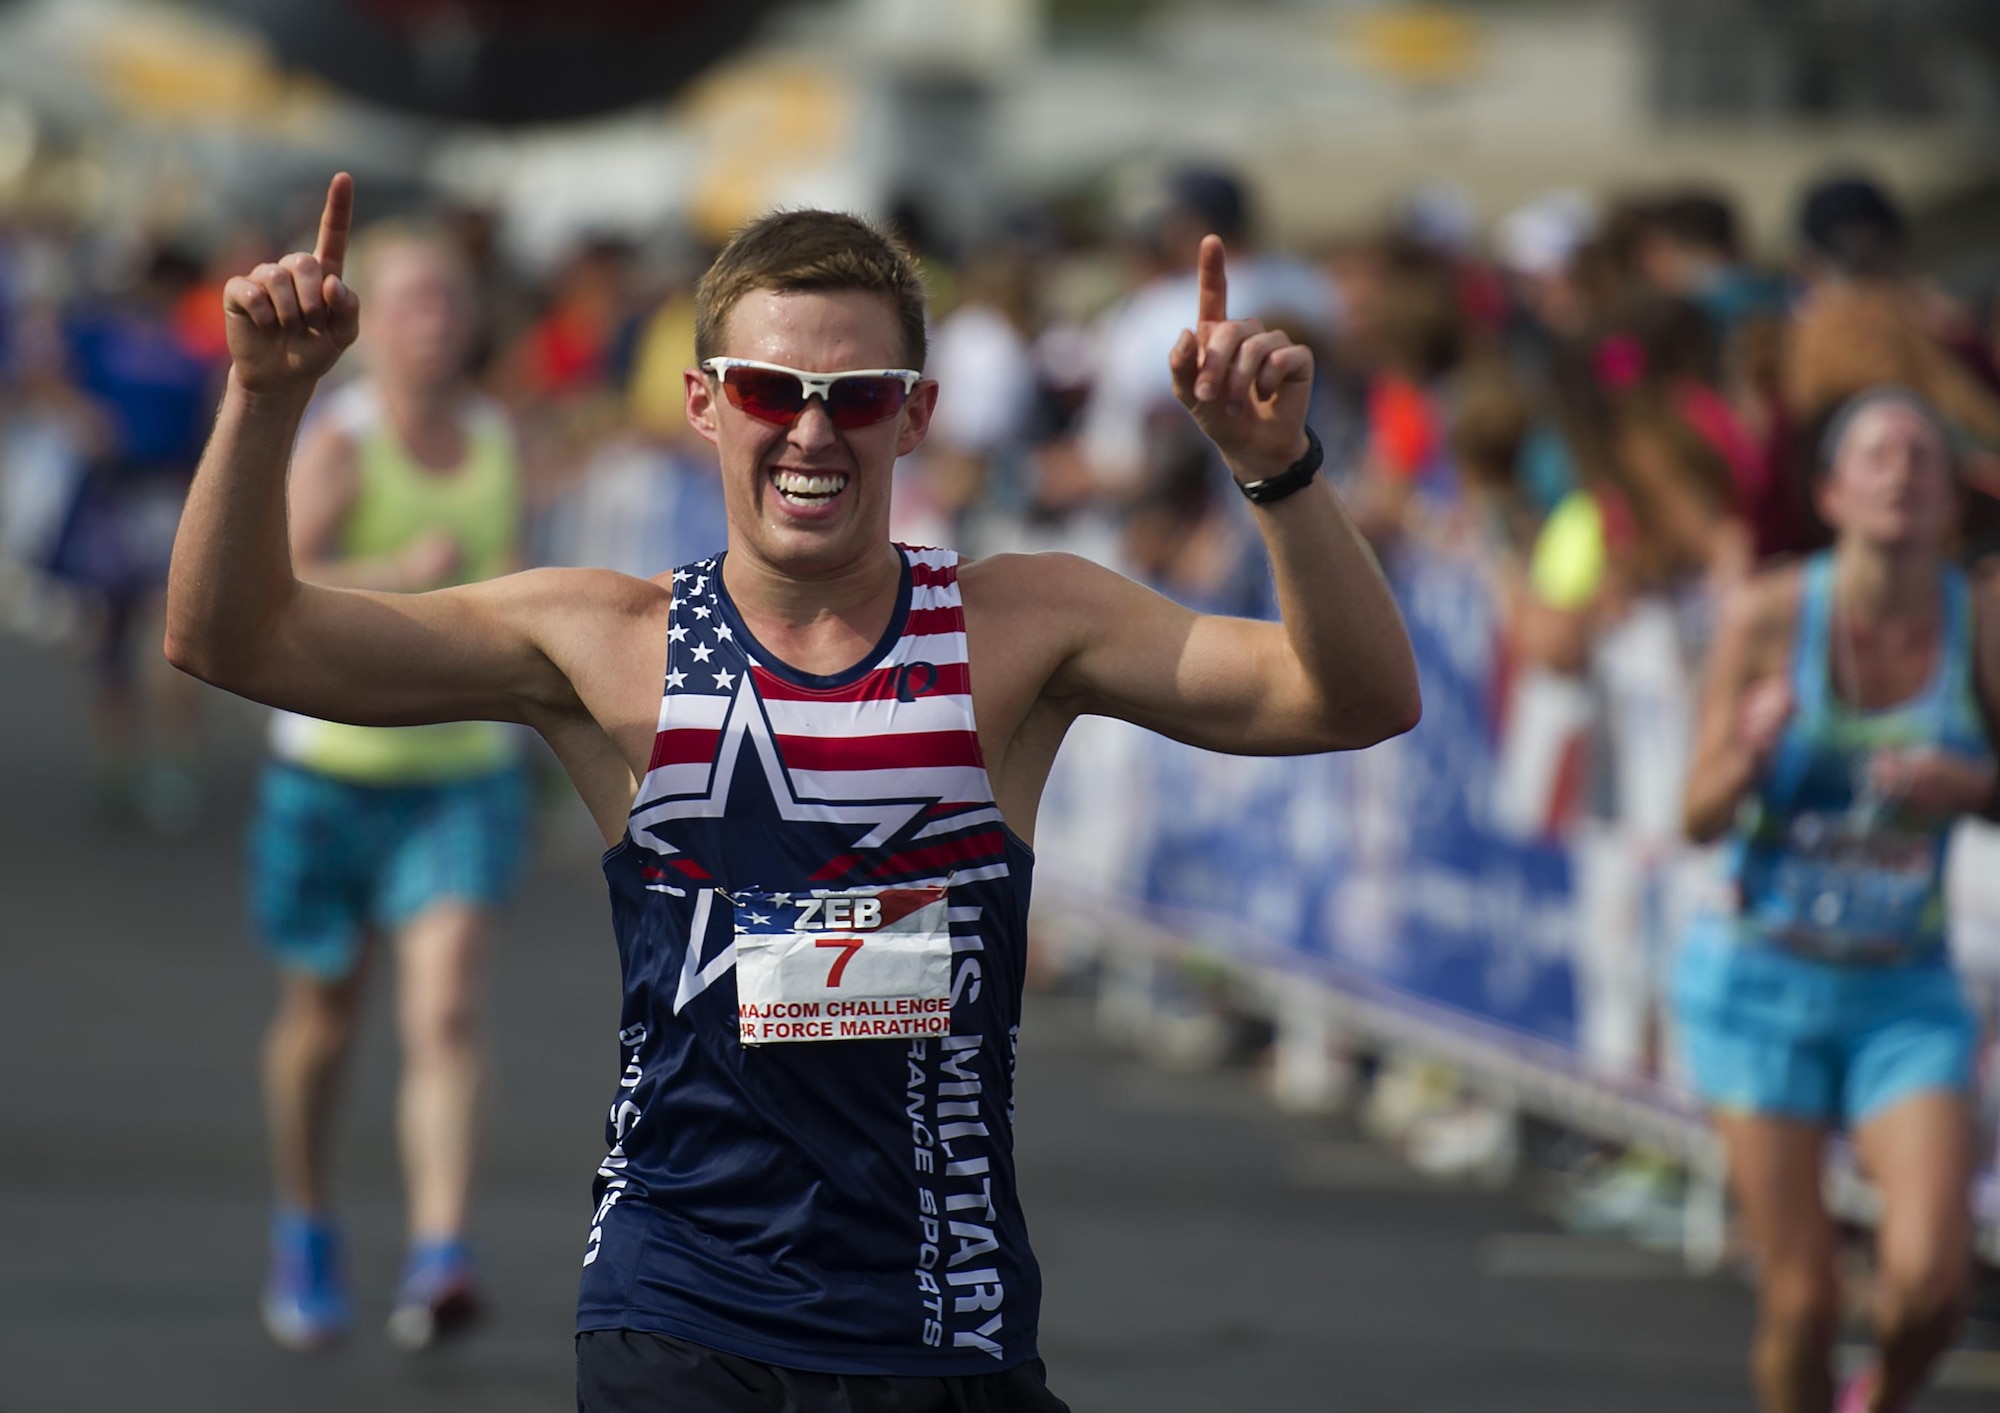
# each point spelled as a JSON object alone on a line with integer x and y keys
{"x": 862, "y": 402}
{"x": 776, "y": 397}
{"x": 764, "y": 394}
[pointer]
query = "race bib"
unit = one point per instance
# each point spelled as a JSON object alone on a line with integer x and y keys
{"x": 856, "y": 964}
{"x": 1843, "y": 888}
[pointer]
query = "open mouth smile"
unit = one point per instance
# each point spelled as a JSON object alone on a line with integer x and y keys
{"x": 808, "y": 490}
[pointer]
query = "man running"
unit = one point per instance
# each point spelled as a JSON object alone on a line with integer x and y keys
{"x": 818, "y": 759}
{"x": 407, "y": 480}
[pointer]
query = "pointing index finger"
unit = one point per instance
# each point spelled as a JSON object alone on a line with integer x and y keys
{"x": 1212, "y": 306}
{"x": 334, "y": 223}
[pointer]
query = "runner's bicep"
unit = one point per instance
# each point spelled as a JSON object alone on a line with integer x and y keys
{"x": 1732, "y": 667}
{"x": 1986, "y": 679}
{"x": 383, "y": 659}
{"x": 1242, "y": 688}
{"x": 320, "y": 493}
{"x": 1737, "y": 658}
{"x": 1226, "y": 684}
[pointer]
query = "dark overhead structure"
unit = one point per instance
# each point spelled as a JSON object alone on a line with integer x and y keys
{"x": 1895, "y": 59}
{"x": 503, "y": 62}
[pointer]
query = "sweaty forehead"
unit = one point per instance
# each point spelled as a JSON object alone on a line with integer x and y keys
{"x": 414, "y": 266}
{"x": 1870, "y": 417}
{"x": 817, "y": 331}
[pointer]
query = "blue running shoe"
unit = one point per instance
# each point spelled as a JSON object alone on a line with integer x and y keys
{"x": 437, "y": 1298}
{"x": 305, "y": 1300}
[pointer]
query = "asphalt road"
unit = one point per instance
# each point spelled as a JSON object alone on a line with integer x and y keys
{"x": 1202, "y": 1251}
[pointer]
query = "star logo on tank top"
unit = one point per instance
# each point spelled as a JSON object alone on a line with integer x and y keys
{"x": 718, "y": 776}
{"x": 703, "y": 733}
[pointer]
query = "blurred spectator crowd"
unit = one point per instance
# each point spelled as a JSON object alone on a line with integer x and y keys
{"x": 1609, "y": 406}
{"x": 1609, "y": 409}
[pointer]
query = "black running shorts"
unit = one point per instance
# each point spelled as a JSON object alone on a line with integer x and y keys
{"x": 631, "y": 1371}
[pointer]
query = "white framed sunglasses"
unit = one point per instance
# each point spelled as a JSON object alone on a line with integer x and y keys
{"x": 773, "y": 393}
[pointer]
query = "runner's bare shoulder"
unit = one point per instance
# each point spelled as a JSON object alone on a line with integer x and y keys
{"x": 576, "y": 603}
{"x": 1035, "y": 582}
{"x": 606, "y": 589}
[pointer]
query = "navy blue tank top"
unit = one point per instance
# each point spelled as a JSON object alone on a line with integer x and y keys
{"x": 845, "y": 1205}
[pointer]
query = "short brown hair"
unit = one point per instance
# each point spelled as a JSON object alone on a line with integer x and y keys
{"x": 378, "y": 237}
{"x": 1490, "y": 423}
{"x": 794, "y": 251}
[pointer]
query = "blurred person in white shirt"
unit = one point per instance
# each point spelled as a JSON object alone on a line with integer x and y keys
{"x": 983, "y": 351}
{"x": 1132, "y": 382}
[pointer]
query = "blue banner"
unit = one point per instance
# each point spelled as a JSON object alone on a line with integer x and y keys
{"x": 1386, "y": 863}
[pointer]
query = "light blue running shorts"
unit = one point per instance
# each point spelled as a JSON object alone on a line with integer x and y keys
{"x": 330, "y": 860}
{"x": 1770, "y": 1032}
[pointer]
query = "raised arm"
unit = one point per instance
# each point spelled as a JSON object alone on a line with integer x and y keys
{"x": 1986, "y": 682}
{"x": 1337, "y": 672}
{"x": 237, "y": 615}
{"x": 1746, "y": 699}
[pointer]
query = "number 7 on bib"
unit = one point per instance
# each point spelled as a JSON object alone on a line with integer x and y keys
{"x": 889, "y": 975}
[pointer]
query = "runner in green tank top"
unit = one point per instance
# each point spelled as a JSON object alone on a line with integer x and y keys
{"x": 402, "y": 515}
{"x": 407, "y": 481}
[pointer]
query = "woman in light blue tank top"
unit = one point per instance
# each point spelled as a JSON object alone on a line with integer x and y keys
{"x": 1843, "y": 730}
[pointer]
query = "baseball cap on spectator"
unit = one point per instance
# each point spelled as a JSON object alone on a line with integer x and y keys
{"x": 1698, "y": 217}
{"x": 1213, "y": 196}
{"x": 1850, "y": 222}
{"x": 1542, "y": 237}
{"x": 1439, "y": 216}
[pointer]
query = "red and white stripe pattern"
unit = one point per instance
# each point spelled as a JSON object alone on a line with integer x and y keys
{"x": 896, "y": 747}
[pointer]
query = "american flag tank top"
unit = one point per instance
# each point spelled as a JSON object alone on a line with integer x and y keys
{"x": 845, "y": 1204}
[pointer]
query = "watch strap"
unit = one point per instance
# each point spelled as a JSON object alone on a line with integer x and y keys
{"x": 1293, "y": 478}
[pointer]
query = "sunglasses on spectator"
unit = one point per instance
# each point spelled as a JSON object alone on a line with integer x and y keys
{"x": 773, "y": 393}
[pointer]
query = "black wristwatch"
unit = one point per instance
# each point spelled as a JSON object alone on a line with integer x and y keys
{"x": 1293, "y": 478}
